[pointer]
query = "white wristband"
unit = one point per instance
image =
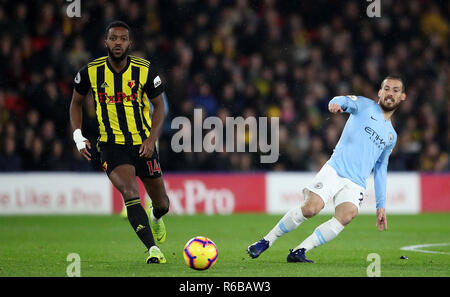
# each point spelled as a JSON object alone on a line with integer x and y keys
{"x": 79, "y": 139}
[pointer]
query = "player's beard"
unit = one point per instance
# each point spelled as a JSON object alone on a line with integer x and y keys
{"x": 120, "y": 58}
{"x": 388, "y": 108}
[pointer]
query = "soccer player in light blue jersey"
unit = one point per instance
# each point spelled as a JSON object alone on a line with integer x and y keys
{"x": 365, "y": 145}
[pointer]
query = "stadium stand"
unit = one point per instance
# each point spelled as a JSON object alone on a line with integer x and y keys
{"x": 231, "y": 58}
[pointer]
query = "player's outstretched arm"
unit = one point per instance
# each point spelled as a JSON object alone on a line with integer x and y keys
{"x": 380, "y": 179}
{"x": 76, "y": 117}
{"x": 334, "y": 108}
{"x": 381, "y": 219}
{"x": 380, "y": 176}
{"x": 343, "y": 104}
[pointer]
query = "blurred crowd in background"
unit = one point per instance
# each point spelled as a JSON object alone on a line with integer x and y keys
{"x": 264, "y": 58}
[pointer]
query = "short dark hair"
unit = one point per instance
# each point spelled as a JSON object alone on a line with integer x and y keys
{"x": 116, "y": 24}
{"x": 396, "y": 77}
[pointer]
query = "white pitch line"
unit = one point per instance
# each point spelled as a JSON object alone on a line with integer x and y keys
{"x": 418, "y": 248}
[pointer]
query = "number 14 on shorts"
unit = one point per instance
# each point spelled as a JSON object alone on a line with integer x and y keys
{"x": 153, "y": 167}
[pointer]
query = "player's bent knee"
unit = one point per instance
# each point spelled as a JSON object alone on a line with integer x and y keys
{"x": 312, "y": 206}
{"x": 346, "y": 216}
{"x": 310, "y": 210}
{"x": 345, "y": 219}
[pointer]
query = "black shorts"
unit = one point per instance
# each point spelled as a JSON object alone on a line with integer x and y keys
{"x": 112, "y": 155}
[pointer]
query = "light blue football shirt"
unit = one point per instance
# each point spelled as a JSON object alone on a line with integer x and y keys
{"x": 365, "y": 144}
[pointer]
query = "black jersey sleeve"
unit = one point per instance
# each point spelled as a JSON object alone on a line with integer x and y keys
{"x": 154, "y": 86}
{"x": 82, "y": 84}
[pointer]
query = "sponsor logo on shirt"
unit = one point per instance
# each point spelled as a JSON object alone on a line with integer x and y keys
{"x": 376, "y": 138}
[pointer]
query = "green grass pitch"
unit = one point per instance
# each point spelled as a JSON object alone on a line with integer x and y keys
{"x": 107, "y": 246}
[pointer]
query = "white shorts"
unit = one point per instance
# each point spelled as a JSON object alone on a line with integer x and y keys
{"x": 332, "y": 187}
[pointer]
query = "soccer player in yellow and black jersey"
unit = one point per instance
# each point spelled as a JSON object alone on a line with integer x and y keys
{"x": 122, "y": 86}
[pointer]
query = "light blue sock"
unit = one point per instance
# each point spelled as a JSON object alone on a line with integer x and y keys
{"x": 291, "y": 220}
{"x": 324, "y": 233}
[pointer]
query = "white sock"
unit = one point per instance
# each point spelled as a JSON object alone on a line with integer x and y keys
{"x": 324, "y": 233}
{"x": 153, "y": 218}
{"x": 291, "y": 220}
{"x": 154, "y": 247}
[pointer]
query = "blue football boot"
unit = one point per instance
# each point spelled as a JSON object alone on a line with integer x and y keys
{"x": 298, "y": 256}
{"x": 257, "y": 248}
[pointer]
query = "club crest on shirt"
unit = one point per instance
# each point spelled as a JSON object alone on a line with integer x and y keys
{"x": 391, "y": 137}
{"x": 131, "y": 83}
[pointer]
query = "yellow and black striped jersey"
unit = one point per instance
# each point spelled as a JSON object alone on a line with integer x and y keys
{"x": 121, "y": 99}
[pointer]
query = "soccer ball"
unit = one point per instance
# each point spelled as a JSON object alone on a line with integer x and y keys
{"x": 200, "y": 253}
